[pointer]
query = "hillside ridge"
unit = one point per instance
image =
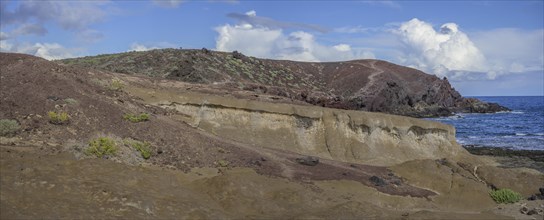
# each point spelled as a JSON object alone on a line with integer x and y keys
{"x": 367, "y": 85}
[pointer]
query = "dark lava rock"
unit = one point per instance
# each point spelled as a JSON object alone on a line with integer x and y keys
{"x": 53, "y": 98}
{"x": 377, "y": 181}
{"x": 532, "y": 212}
{"x": 541, "y": 191}
{"x": 308, "y": 160}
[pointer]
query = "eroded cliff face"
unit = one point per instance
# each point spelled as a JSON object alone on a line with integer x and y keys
{"x": 351, "y": 136}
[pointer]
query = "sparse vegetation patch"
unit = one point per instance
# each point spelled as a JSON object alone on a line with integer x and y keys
{"x": 505, "y": 196}
{"x": 101, "y": 146}
{"x": 116, "y": 84}
{"x": 8, "y": 127}
{"x": 136, "y": 118}
{"x": 143, "y": 147}
{"x": 58, "y": 118}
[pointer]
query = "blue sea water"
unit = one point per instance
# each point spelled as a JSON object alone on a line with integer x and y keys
{"x": 522, "y": 128}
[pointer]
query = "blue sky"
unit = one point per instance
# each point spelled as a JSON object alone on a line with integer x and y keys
{"x": 482, "y": 47}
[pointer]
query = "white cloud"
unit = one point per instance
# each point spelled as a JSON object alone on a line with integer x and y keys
{"x": 485, "y": 55}
{"x": 342, "y": 47}
{"x": 140, "y": 47}
{"x": 150, "y": 46}
{"x": 49, "y": 51}
{"x": 447, "y": 52}
{"x": 272, "y": 42}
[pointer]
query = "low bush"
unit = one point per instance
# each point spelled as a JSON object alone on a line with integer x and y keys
{"x": 58, "y": 117}
{"x": 101, "y": 146}
{"x": 136, "y": 118}
{"x": 505, "y": 196}
{"x": 143, "y": 147}
{"x": 116, "y": 84}
{"x": 223, "y": 163}
{"x": 8, "y": 127}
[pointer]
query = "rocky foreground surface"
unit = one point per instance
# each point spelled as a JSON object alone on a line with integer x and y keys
{"x": 368, "y": 85}
{"x": 217, "y": 152}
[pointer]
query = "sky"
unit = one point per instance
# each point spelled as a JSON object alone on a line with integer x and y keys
{"x": 484, "y": 48}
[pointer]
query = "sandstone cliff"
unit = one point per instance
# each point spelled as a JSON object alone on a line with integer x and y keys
{"x": 343, "y": 135}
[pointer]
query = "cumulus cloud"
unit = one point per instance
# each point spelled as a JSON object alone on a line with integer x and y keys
{"x": 145, "y": 47}
{"x": 140, "y": 47}
{"x": 272, "y": 42}
{"x": 446, "y": 52}
{"x": 450, "y": 52}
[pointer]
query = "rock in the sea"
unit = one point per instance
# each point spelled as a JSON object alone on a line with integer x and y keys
{"x": 308, "y": 160}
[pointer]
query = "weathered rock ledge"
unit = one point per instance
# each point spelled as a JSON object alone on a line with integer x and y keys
{"x": 350, "y": 136}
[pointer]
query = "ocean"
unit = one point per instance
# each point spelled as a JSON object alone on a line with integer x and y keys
{"x": 522, "y": 128}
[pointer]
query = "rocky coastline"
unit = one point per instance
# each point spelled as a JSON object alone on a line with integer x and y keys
{"x": 511, "y": 158}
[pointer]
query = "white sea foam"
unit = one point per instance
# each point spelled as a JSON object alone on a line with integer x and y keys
{"x": 521, "y": 134}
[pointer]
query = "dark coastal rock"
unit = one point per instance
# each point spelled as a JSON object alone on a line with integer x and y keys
{"x": 308, "y": 160}
{"x": 472, "y": 105}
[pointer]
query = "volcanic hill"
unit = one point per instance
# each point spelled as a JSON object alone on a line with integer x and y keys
{"x": 368, "y": 85}
{"x": 84, "y": 143}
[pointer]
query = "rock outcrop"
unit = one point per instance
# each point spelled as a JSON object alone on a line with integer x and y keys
{"x": 368, "y": 85}
{"x": 343, "y": 135}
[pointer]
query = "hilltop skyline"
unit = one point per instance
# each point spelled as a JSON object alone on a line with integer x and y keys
{"x": 483, "y": 48}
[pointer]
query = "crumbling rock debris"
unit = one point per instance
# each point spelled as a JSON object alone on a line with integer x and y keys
{"x": 377, "y": 181}
{"x": 308, "y": 160}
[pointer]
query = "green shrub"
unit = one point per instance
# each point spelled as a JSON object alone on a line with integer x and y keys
{"x": 116, "y": 84}
{"x": 505, "y": 196}
{"x": 143, "y": 147}
{"x": 223, "y": 163}
{"x": 70, "y": 101}
{"x": 58, "y": 117}
{"x": 136, "y": 118}
{"x": 8, "y": 127}
{"x": 101, "y": 146}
